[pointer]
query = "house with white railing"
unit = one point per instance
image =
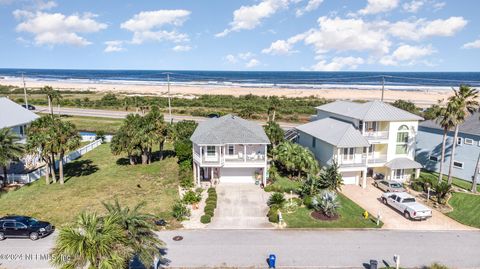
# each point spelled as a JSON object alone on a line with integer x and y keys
{"x": 229, "y": 149}
{"x": 15, "y": 117}
{"x": 364, "y": 139}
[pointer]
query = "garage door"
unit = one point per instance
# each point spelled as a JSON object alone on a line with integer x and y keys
{"x": 350, "y": 177}
{"x": 237, "y": 175}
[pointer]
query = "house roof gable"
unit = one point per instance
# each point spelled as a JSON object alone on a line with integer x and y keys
{"x": 13, "y": 114}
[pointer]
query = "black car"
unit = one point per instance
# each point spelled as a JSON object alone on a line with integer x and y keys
{"x": 30, "y": 107}
{"x": 21, "y": 226}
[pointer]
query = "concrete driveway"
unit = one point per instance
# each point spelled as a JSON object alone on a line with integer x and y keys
{"x": 369, "y": 199}
{"x": 240, "y": 206}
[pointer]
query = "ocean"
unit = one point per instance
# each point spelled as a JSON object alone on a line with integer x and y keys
{"x": 287, "y": 79}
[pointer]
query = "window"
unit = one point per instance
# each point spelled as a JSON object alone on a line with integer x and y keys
{"x": 314, "y": 142}
{"x": 9, "y": 224}
{"x": 457, "y": 164}
{"x": 231, "y": 149}
{"x": 433, "y": 158}
{"x": 402, "y": 140}
{"x": 211, "y": 151}
{"x": 459, "y": 141}
{"x": 468, "y": 141}
{"x": 348, "y": 153}
{"x": 19, "y": 225}
{"x": 399, "y": 173}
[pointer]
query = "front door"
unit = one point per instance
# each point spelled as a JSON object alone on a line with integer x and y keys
{"x": 398, "y": 173}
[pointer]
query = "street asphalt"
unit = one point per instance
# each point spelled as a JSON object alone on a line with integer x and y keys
{"x": 293, "y": 249}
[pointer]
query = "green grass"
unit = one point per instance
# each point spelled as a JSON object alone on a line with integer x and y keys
{"x": 283, "y": 184}
{"x": 466, "y": 185}
{"x": 466, "y": 209}
{"x": 95, "y": 124}
{"x": 350, "y": 217}
{"x": 94, "y": 178}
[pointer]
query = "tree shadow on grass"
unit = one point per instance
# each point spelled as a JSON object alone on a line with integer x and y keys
{"x": 155, "y": 158}
{"x": 79, "y": 168}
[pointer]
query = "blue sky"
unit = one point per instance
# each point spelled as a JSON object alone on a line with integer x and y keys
{"x": 328, "y": 35}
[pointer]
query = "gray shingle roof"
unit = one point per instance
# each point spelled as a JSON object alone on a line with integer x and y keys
{"x": 369, "y": 111}
{"x": 470, "y": 126}
{"x": 403, "y": 163}
{"x": 13, "y": 114}
{"x": 229, "y": 129}
{"x": 335, "y": 132}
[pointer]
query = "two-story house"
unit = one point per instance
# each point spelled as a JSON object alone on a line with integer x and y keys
{"x": 467, "y": 151}
{"x": 229, "y": 149}
{"x": 15, "y": 117}
{"x": 363, "y": 139}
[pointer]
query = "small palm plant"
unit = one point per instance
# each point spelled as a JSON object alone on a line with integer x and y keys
{"x": 442, "y": 189}
{"x": 277, "y": 199}
{"x": 326, "y": 202}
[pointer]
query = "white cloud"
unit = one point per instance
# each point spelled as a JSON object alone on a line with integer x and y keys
{"x": 413, "y": 6}
{"x": 311, "y": 6}
{"x": 114, "y": 46}
{"x": 252, "y": 63}
{"x": 407, "y": 53}
{"x": 439, "y": 5}
{"x": 181, "y": 48}
{"x": 249, "y": 17}
{"x": 231, "y": 58}
{"x": 283, "y": 47}
{"x": 419, "y": 29}
{"x": 472, "y": 45}
{"x": 378, "y": 6}
{"x": 42, "y": 5}
{"x": 338, "y": 63}
{"x": 57, "y": 28}
{"x": 148, "y": 25}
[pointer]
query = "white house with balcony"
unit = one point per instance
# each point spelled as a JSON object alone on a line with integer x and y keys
{"x": 229, "y": 149}
{"x": 15, "y": 117}
{"x": 363, "y": 139}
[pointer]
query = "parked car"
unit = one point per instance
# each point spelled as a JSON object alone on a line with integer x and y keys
{"x": 24, "y": 227}
{"x": 389, "y": 186}
{"x": 378, "y": 176}
{"x": 406, "y": 204}
{"x": 30, "y": 107}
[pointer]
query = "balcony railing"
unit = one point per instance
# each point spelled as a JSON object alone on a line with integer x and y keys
{"x": 375, "y": 159}
{"x": 237, "y": 158}
{"x": 376, "y": 134}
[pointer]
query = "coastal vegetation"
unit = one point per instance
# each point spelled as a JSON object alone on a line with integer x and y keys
{"x": 10, "y": 150}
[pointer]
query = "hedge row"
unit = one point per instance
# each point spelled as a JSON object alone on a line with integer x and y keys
{"x": 211, "y": 204}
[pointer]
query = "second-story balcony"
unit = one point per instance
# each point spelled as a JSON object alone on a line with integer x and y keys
{"x": 222, "y": 155}
{"x": 376, "y": 135}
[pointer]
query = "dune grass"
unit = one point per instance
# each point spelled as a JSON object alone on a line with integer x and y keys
{"x": 96, "y": 177}
{"x": 466, "y": 209}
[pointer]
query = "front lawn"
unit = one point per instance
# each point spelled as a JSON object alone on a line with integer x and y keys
{"x": 95, "y": 124}
{"x": 95, "y": 177}
{"x": 455, "y": 181}
{"x": 350, "y": 217}
{"x": 466, "y": 209}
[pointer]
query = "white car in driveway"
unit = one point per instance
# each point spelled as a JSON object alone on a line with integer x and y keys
{"x": 406, "y": 204}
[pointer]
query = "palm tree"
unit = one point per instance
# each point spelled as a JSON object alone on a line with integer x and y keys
{"x": 10, "y": 149}
{"x": 274, "y": 132}
{"x": 139, "y": 229}
{"x": 92, "y": 242}
{"x": 159, "y": 128}
{"x": 41, "y": 141}
{"x": 66, "y": 139}
{"x": 463, "y": 104}
{"x": 444, "y": 117}
{"x": 272, "y": 109}
{"x": 52, "y": 95}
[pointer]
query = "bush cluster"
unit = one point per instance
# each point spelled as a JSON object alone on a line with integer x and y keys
{"x": 191, "y": 197}
{"x": 185, "y": 173}
{"x": 210, "y": 205}
{"x": 273, "y": 213}
{"x": 180, "y": 211}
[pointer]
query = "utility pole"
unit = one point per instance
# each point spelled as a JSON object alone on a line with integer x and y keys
{"x": 169, "y": 97}
{"x": 383, "y": 86}
{"x": 24, "y": 91}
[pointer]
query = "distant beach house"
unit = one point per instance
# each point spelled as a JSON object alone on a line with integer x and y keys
{"x": 15, "y": 117}
{"x": 229, "y": 149}
{"x": 429, "y": 147}
{"x": 363, "y": 139}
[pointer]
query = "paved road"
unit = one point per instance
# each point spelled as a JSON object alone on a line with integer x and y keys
{"x": 294, "y": 248}
{"x": 86, "y": 112}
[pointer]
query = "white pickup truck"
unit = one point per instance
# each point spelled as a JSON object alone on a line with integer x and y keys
{"x": 406, "y": 204}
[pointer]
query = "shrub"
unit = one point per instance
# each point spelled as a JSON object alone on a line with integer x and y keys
{"x": 211, "y": 190}
{"x": 205, "y": 219}
{"x": 273, "y": 214}
{"x": 212, "y": 203}
{"x": 327, "y": 203}
{"x": 416, "y": 186}
{"x": 442, "y": 190}
{"x": 180, "y": 211}
{"x": 308, "y": 201}
{"x": 209, "y": 210}
{"x": 437, "y": 266}
{"x": 191, "y": 197}
{"x": 276, "y": 198}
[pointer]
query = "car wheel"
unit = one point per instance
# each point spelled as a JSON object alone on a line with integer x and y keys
{"x": 2, "y": 236}
{"x": 384, "y": 201}
{"x": 406, "y": 214}
{"x": 33, "y": 236}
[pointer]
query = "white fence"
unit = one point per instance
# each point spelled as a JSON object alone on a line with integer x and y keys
{"x": 35, "y": 175}
{"x": 88, "y": 137}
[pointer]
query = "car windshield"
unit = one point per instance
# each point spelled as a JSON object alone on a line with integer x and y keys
{"x": 395, "y": 185}
{"x": 31, "y": 221}
{"x": 409, "y": 200}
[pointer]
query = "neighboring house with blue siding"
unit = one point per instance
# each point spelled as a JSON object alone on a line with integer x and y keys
{"x": 429, "y": 147}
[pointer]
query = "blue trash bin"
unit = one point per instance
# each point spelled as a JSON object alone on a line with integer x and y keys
{"x": 271, "y": 261}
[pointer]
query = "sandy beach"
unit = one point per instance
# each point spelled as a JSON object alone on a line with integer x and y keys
{"x": 423, "y": 97}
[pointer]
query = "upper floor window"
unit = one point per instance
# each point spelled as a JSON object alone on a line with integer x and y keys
{"x": 402, "y": 140}
{"x": 231, "y": 149}
{"x": 468, "y": 141}
{"x": 211, "y": 151}
{"x": 314, "y": 142}
{"x": 348, "y": 153}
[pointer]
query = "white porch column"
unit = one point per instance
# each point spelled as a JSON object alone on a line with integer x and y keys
{"x": 364, "y": 179}
{"x": 198, "y": 175}
{"x": 391, "y": 174}
{"x": 417, "y": 173}
{"x": 195, "y": 173}
{"x": 264, "y": 176}
{"x": 244, "y": 153}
